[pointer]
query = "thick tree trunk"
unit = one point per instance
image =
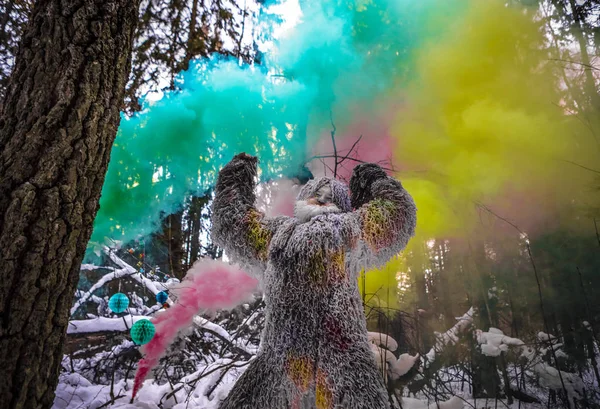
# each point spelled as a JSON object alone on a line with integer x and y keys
{"x": 59, "y": 120}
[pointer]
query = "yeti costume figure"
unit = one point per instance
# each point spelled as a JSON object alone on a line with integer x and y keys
{"x": 314, "y": 351}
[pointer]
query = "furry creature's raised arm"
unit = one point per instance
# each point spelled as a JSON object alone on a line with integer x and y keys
{"x": 238, "y": 227}
{"x": 386, "y": 214}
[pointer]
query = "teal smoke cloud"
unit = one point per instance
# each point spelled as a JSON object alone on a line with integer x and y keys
{"x": 338, "y": 62}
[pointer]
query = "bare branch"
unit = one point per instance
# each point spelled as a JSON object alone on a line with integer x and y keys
{"x": 334, "y": 146}
{"x": 321, "y": 157}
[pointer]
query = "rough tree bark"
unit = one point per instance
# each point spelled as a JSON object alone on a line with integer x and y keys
{"x": 59, "y": 120}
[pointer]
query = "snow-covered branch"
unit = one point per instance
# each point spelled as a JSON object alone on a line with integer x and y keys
{"x": 382, "y": 346}
{"x": 450, "y": 336}
{"x": 125, "y": 270}
{"x": 382, "y": 340}
{"x": 103, "y": 324}
{"x": 154, "y": 286}
{"x": 219, "y": 331}
{"x": 100, "y": 283}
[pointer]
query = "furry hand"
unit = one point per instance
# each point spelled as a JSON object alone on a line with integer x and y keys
{"x": 243, "y": 161}
{"x": 245, "y": 157}
{"x": 240, "y": 171}
{"x": 363, "y": 177}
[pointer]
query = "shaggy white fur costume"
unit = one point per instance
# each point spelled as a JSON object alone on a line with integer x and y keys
{"x": 315, "y": 353}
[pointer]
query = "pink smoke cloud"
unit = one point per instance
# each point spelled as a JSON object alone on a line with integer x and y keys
{"x": 208, "y": 285}
{"x": 283, "y": 198}
{"x": 373, "y": 128}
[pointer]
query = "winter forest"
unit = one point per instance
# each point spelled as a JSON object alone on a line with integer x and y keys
{"x": 176, "y": 177}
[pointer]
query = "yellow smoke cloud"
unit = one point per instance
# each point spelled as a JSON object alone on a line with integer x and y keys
{"x": 484, "y": 121}
{"x": 379, "y": 287}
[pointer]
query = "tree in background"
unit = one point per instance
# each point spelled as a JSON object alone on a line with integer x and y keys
{"x": 59, "y": 120}
{"x": 171, "y": 33}
{"x": 519, "y": 284}
{"x": 13, "y": 18}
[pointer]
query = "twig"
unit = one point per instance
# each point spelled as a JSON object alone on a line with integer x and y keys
{"x": 588, "y": 66}
{"x": 202, "y": 375}
{"x": 354, "y": 145}
{"x": 325, "y": 165}
{"x": 581, "y": 166}
{"x": 110, "y": 402}
{"x": 343, "y": 158}
{"x": 334, "y": 129}
{"x": 597, "y": 234}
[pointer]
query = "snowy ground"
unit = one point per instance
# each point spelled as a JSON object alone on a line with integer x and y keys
{"x": 216, "y": 372}
{"x": 76, "y": 392}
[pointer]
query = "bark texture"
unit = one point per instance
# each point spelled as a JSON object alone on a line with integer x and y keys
{"x": 59, "y": 120}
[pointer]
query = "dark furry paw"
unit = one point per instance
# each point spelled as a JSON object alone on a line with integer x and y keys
{"x": 245, "y": 157}
{"x": 363, "y": 177}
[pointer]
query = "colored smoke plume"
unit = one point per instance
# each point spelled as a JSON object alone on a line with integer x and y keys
{"x": 208, "y": 286}
{"x": 339, "y": 61}
{"x": 465, "y": 94}
{"x": 483, "y": 122}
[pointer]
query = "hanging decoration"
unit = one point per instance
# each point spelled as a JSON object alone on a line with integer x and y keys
{"x": 118, "y": 303}
{"x": 162, "y": 297}
{"x": 142, "y": 332}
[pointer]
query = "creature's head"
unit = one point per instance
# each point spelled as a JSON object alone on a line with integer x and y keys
{"x": 321, "y": 196}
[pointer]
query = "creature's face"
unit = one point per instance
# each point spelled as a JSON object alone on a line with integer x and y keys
{"x": 319, "y": 203}
{"x": 321, "y": 196}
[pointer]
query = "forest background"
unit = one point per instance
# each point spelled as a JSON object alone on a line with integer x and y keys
{"x": 491, "y": 113}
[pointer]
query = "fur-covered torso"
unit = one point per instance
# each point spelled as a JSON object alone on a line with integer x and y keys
{"x": 312, "y": 289}
{"x": 315, "y": 325}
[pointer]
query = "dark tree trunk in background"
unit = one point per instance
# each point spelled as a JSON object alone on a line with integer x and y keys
{"x": 590, "y": 87}
{"x": 59, "y": 120}
{"x": 175, "y": 239}
{"x": 195, "y": 224}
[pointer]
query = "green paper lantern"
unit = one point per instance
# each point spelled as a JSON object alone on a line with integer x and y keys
{"x": 142, "y": 332}
{"x": 118, "y": 303}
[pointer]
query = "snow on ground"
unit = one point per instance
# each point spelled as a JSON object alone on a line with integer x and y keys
{"x": 198, "y": 391}
{"x": 203, "y": 389}
{"x": 210, "y": 384}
